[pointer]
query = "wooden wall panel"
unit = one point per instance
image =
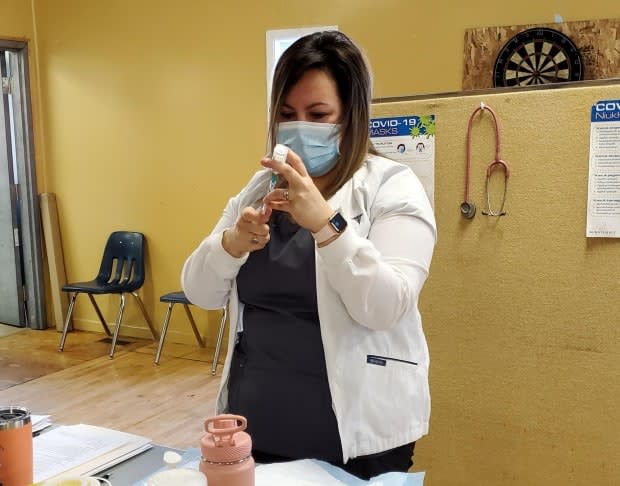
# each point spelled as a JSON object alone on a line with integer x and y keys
{"x": 55, "y": 258}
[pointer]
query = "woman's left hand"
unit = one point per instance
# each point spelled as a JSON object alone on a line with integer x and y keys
{"x": 301, "y": 199}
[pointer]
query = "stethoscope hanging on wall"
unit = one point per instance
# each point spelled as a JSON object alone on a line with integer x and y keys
{"x": 468, "y": 208}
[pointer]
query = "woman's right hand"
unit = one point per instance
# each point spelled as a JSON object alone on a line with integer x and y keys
{"x": 250, "y": 233}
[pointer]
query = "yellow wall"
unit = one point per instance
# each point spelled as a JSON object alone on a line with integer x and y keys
{"x": 153, "y": 114}
{"x": 17, "y": 23}
{"x": 16, "y": 19}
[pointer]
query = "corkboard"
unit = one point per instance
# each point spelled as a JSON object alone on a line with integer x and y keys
{"x": 520, "y": 312}
{"x": 598, "y": 42}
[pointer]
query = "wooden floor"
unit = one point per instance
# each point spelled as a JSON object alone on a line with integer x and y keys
{"x": 167, "y": 402}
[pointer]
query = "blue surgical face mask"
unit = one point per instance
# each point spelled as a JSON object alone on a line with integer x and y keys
{"x": 316, "y": 143}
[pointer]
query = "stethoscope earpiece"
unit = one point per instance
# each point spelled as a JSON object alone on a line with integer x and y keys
{"x": 468, "y": 209}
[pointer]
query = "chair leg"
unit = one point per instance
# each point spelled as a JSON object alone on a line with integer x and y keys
{"x": 101, "y": 319}
{"x": 117, "y": 329}
{"x": 218, "y": 344}
{"x": 146, "y": 317}
{"x": 67, "y": 321}
{"x": 164, "y": 330}
{"x": 194, "y": 328}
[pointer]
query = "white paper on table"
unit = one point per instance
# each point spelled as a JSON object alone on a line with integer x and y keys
{"x": 40, "y": 422}
{"x": 82, "y": 449}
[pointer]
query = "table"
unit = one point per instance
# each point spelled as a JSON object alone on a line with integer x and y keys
{"x": 138, "y": 467}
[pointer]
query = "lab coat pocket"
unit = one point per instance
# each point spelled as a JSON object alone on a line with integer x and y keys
{"x": 402, "y": 385}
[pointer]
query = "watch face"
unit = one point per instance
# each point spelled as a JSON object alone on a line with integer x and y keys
{"x": 338, "y": 222}
{"x": 537, "y": 56}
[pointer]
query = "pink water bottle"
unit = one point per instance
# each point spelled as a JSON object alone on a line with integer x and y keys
{"x": 227, "y": 452}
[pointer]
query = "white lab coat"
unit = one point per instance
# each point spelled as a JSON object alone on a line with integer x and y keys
{"x": 368, "y": 283}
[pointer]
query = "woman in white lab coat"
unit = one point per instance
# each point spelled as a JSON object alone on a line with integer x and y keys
{"x": 327, "y": 358}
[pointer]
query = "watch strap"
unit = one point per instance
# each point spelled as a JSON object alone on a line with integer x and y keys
{"x": 327, "y": 232}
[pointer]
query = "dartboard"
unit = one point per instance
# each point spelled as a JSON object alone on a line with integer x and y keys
{"x": 537, "y": 56}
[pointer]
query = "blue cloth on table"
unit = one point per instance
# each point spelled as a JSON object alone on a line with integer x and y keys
{"x": 305, "y": 470}
{"x": 386, "y": 479}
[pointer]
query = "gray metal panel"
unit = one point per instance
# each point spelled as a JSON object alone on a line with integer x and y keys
{"x": 32, "y": 254}
{"x": 11, "y": 304}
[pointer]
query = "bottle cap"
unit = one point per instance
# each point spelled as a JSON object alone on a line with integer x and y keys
{"x": 280, "y": 152}
{"x": 225, "y": 440}
{"x": 171, "y": 459}
{"x": 173, "y": 476}
{"x": 13, "y": 417}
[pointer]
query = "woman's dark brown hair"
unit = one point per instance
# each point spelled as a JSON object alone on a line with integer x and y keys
{"x": 335, "y": 54}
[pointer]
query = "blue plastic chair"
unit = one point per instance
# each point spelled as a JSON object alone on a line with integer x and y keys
{"x": 121, "y": 271}
{"x": 173, "y": 298}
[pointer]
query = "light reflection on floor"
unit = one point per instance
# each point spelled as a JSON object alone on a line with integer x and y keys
{"x": 6, "y": 330}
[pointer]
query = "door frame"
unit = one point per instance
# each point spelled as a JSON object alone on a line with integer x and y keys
{"x": 27, "y": 192}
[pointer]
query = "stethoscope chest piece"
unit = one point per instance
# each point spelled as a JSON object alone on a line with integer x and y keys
{"x": 468, "y": 209}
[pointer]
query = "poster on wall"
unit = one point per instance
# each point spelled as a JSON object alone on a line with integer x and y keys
{"x": 603, "y": 219}
{"x": 411, "y": 141}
